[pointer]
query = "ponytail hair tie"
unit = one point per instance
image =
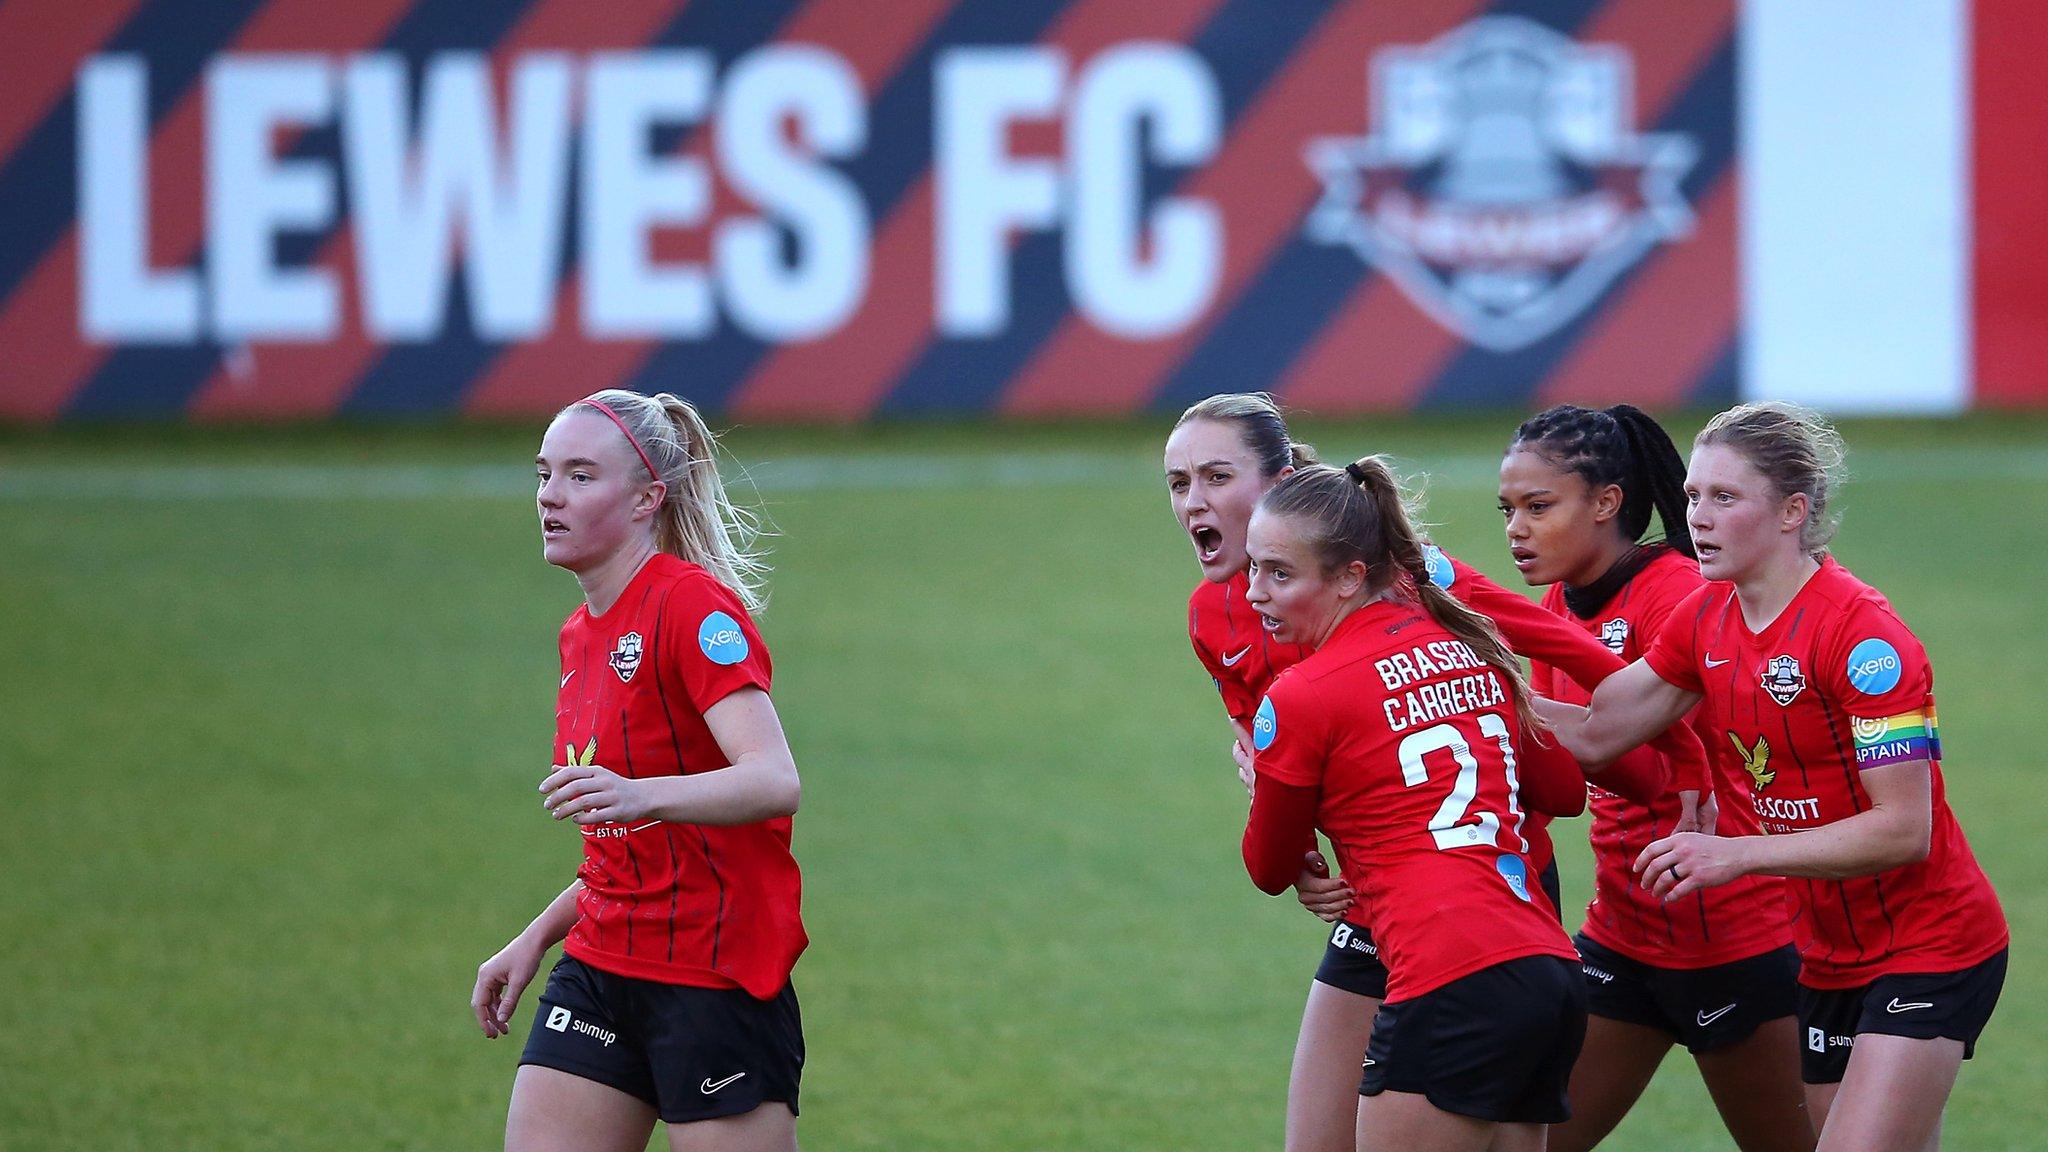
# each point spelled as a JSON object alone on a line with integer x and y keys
{"x": 1358, "y": 475}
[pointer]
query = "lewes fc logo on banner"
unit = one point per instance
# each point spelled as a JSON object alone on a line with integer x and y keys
{"x": 1503, "y": 185}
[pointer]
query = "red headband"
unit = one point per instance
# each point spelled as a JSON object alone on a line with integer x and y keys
{"x": 601, "y": 406}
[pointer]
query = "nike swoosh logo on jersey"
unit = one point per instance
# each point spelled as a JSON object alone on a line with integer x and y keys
{"x": 1231, "y": 661}
{"x": 1895, "y": 1007}
{"x": 708, "y": 1087}
{"x": 1713, "y": 663}
{"x": 565, "y": 679}
{"x": 1707, "y": 1018}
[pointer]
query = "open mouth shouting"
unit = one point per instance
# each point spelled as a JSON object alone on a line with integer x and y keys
{"x": 1208, "y": 542}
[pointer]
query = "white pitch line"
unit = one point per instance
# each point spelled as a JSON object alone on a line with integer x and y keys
{"x": 158, "y": 480}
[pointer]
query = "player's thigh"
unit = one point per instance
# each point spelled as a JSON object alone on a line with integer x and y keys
{"x": 1322, "y": 1087}
{"x": 1756, "y": 1088}
{"x": 1613, "y": 1068}
{"x": 769, "y": 1128}
{"x": 1408, "y": 1122}
{"x": 1820, "y": 1101}
{"x": 1518, "y": 1138}
{"x": 556, "y": 1111}
{"x": 1892, "y": 1094}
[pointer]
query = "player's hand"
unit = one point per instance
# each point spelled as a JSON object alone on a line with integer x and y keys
{"x": 1245, "y": 776}
{"x": 1683, "y": 863}
{"x": 1318, "y": 892}
{"x": 1710, "y": 814}
{"x": 589, "y": 794}
{"x": 500, "y": 981}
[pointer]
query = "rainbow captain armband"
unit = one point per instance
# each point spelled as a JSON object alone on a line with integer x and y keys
{"x": 1897, "y": 739}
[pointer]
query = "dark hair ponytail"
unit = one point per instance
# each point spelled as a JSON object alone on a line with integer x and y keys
{"x": 1623, "y": 446}
{"x": 1360, "y": 513}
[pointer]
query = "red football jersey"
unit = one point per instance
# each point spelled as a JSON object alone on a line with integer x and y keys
{"x": 710, "y": 906}
{"x": 1243, "y": 660}
{"x": 1835, "y": 684}
{"x": 1716, "y": 925}
{"x": 1410, "y": 741}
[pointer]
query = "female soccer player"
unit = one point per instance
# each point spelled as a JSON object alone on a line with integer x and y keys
{"x": 672, "y": 998}
{"x": 1400, "y": 737}
{"x": 1829, "y": 699}
{"x": 1224, "y": 454}
{"x": 1715, "y": 971}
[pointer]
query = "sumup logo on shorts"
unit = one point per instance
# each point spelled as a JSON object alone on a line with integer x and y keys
{"x": 1503, "y": 185}
{"x": 626, "y": 656}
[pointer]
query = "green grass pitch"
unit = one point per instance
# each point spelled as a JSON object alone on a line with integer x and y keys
{"x": 275, "y": 704}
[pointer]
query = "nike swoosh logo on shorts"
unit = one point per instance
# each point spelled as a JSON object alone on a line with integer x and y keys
{"x": 708, "y": 1087}
{"x": 1895, "y": 1007}
{"x": 1231, "y": 661}
{"x": 1707, "y": 1018}
{"x": 1713, "y": 663}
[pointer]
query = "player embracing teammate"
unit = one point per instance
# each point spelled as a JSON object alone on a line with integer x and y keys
{"x": 1224, "y": 454}
{"x": 1401, "y": 736}
{"x": 1812, "y": 679}
{"x": 1715, "y": 970}
{"x": 672, "y": 998}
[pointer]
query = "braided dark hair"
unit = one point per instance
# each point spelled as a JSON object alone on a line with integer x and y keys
{"x": 1622, "y": 446}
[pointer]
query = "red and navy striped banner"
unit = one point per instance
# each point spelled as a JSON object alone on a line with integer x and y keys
{"x": 839, "y": 209}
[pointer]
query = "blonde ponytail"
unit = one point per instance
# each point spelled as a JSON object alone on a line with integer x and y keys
{"x": 697, "y": 521}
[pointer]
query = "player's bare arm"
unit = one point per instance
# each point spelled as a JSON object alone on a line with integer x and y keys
{"x": 1895, "y": 830}
{"x": 759, "y": 784}
{"x": 503, "y": 978}
{"x": 1629, "y": 708}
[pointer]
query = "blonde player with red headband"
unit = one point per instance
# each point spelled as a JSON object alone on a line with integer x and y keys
{"x": 672, "y": 998}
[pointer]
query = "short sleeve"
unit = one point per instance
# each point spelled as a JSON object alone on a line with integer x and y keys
{"x": 1673, "y": 654}
{"x": 1874, "y": 665}
{"x": 1289, "y": 734}
{"x": 710, "y": 643}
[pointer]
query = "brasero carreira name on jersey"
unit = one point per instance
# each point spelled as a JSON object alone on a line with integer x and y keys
{"x": 1834, "y": 686}
{"x": 709, "y": 906}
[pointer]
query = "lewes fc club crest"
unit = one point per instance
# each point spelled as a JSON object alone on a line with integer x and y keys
{"x": 1614, "y": 634}
{"x": 1503, "y": 185}
{"x": 1783, "y": 680}
{"x": 626, "y": 656}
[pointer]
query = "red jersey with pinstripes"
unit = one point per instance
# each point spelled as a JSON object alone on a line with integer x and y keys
{"x": 1411, "y": 744}
{"x": 702, "y": 905}
{"x": 1721, "y": 925}
{"x": 1805, "y": 702}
